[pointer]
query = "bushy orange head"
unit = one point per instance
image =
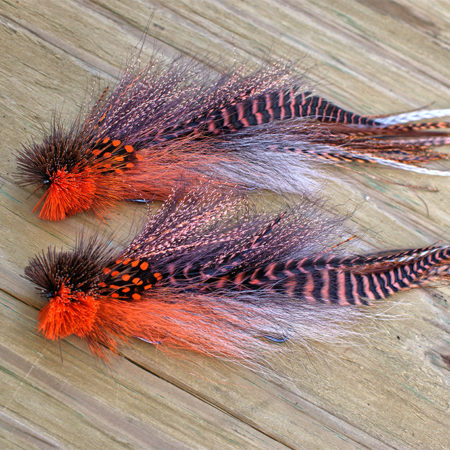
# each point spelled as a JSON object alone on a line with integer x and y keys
{"x": 77, "y": 176}
{"x": 69, "y": 193}
{"x": 68, "y": 313}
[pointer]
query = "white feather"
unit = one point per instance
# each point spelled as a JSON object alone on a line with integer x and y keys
{"x": 413, "y": 116}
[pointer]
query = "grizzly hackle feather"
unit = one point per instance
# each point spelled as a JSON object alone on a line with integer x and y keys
{"x": 166, "y": 123}
{"x": 211, "y": 274}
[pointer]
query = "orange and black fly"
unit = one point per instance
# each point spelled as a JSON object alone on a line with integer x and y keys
{"x": 166, "y": 123}
{"x": 208, "y": 275}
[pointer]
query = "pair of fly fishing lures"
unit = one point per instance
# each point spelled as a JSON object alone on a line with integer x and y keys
{"x": 210, "y": 272}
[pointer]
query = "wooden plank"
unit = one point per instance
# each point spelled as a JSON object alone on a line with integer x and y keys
{"x": 385, "y": 389}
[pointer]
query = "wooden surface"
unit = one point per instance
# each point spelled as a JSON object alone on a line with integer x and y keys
{"x": 386, "y": 389}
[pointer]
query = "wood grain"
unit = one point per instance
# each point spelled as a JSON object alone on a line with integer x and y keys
{"x": 385, "y": 389}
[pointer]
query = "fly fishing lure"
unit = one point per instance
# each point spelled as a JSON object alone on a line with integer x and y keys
{"x": 210, "y": 275}
{"x": 166, "y": 123}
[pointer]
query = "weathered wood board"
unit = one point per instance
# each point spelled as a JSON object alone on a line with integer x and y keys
{"x": 387, "y": 390}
